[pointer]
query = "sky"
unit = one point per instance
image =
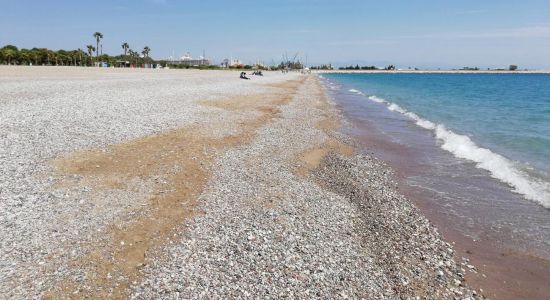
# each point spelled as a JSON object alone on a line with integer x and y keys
{"x": 406, "y": 33}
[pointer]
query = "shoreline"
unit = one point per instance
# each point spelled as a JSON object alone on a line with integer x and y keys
{"x": 430, "y": 72}
{"x": 502, "y": 273}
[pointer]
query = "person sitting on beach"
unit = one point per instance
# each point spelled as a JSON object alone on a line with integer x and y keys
{"x": 243, "y": 75}
{"x": 257, "y": 73}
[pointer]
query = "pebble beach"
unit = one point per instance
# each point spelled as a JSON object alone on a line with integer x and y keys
{"x": 186, "y": 184}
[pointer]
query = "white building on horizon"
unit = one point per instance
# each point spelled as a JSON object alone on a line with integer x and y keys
{"x": 231, "y": 62}
{"x": 188, "y": 60}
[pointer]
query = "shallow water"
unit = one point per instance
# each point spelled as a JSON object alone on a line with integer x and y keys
{"x": 501, "y": 122}
{"x": 465, "y": 201}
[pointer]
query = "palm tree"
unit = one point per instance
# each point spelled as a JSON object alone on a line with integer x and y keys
{"x": 146, "y": 51}
{"x": 135, "y": 55}
{"x": 125, "y": 46}
{"x": 91, "y": 50}
{"x": 79, "y": 53}
{"x": 98, "y": 36}
{"x": 24, "y": 57}
{"x": 44, "y": 55}
{"x": 131, "y": 53}
{"x": 9, "y": 53}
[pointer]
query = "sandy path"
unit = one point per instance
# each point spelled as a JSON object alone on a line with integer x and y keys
{"x": 83, "y": 148}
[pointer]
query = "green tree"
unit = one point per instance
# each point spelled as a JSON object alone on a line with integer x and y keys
{"x": 79, "y": 53}
{"x": 35, "y": 54}
{"x": 98, "y": 36}
{"x": 25, "y": 57}
{"x": 9, "y": 52}
{"x": 125, "y": 46}
{"x": 91, "y": 50}
{"x": 44, "y": 55}
{"x": 137, "y": 58}
{"x": 62, "y": 56}
{"x": 51, "y": 57}
{"x": 132, "y": 54}
{"x": 146, "y": 51}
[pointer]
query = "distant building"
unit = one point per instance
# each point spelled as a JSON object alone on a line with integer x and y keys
{"x": 231, "y": 62}
{"x": 122, "y": 64}
{"x": 188, "y": 60}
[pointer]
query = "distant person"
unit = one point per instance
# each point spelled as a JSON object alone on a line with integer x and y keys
{"x": 243, "y": 75}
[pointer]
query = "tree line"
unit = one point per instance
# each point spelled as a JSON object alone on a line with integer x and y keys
{"x": 357, "y": 67}
{"x": 12, "y": 55}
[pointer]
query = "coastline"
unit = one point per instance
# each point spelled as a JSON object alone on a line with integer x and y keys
{"x": 365, "y": 150}
{"x": 252, "y": 188}
{"x": 501, "y": 271}
{"x": 431, "y": 72}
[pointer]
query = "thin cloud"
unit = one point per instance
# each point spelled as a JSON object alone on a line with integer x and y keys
{"x": 365, "y": 42}
{"x": 538, "y": 31}
{"x": 471, "y": 12}
{"x": 159, "y": 2}
{"x": 121, "y": 8}
{"x": 295, "y": 31}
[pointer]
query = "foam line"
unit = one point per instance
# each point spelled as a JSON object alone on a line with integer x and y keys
{"x": 499, "y": 166}
{"x": 357, "y": 92}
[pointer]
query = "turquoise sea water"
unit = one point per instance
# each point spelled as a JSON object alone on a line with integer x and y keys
{"x": 501, "y": 122}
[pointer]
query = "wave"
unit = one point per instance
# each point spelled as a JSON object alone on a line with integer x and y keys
{"x": 356, "y": 92}
{"x": 500, "y": 167}
{"x": 376, "y": 99}
{"x": 419, "y": 121}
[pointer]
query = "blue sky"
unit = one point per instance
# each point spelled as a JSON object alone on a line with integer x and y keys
{"x": 422, "y": 33}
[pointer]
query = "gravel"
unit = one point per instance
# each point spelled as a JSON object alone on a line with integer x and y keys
{"x": 265, "y": 232}
{"x": 47, "y": 112}
{"x": 262, "y": 231}
{"x": 408, "y": 250}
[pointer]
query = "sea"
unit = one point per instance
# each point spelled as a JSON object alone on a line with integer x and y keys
{"x": 472, "y": 149}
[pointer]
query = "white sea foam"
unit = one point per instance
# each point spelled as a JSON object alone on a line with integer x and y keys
{"x": 356, "y": 91}
{"x": 376, "y": 99}
{"x": 419, "y": 121}
{"x": 397, "y": 108}
{"x": 499, "y": 166}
